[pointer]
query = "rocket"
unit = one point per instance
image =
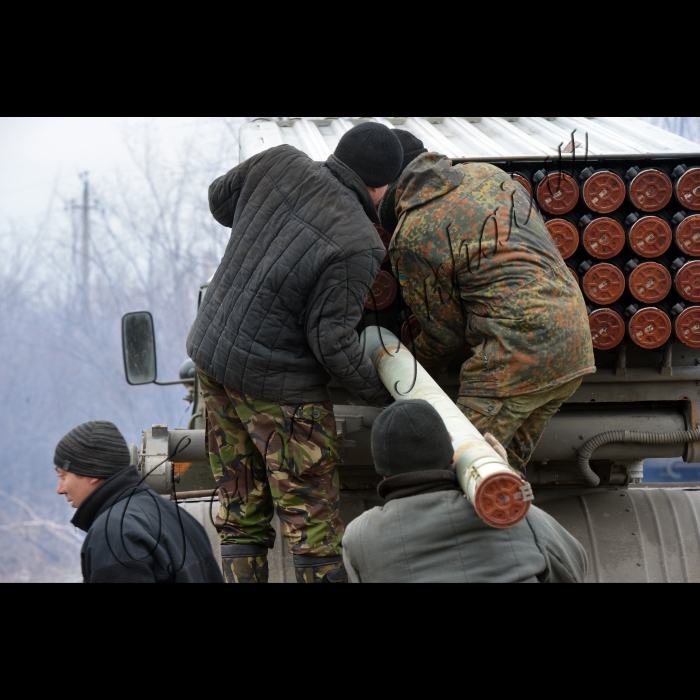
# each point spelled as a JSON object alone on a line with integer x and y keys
{"x": 501, "y": 497}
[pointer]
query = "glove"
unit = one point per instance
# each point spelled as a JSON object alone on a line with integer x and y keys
{"x": 497, "y": 447}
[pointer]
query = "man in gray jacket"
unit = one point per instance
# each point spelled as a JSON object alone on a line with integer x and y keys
{"x": 276, "y": 325}
{"x": 429, "y": 533}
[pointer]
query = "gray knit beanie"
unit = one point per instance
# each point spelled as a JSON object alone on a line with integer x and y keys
{"x": 373, "y": 152}
{"x": 410, "y": 436}
{"x": 412, "y": 146}
{"x": 96, "y": 450}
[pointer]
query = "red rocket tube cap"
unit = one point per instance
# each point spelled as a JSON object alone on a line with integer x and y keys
{"x": 522, "y": 180}
{"x": 604, "y": 192}
{"x": 604, "y": 284}
{"x": 386, "y": 240}
{"x": 607, "y": 329}
{"x": 688, "y": 327}
{"x": 688, "y": 189}
{"x": 651, "y": 191}
{"x": 688, "y": 282}
{"x": 565, "y": 236}
{"x": 688, "y": 236}
{"x": 604, "y": 238}
{"x": 651, "y": 237}
{"x": 558, "y": 194}
{"x": 410, "y": 332}
{"x": 650, "y": 283}
{"x": 383, "y": 293}
{"x": 650, "y": 328}
{"x": 503, "y": 500}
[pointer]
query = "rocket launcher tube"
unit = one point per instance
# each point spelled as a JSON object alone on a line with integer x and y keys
{"x": 501, "y": 497}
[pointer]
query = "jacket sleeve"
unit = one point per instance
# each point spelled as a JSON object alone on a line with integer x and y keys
{"x": 105, "y": 562}
{"x": 567, "y": 561}
{"x": 225, "y": 192}
{"x": 333, "y": 313}
{"x": 349, "y": 542}
{"x": 437, "y": 306}
{"x": 126, "y": 573}
{"x": 353, "y": 576}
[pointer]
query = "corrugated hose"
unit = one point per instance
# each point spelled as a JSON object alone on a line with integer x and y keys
{"x": 626, "y": 436}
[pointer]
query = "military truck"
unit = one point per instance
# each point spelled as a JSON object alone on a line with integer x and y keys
{"x": 622, "y": 201}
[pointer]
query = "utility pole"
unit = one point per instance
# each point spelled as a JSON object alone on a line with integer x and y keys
{"x": 86, "y": 238}
{"x": 84, "y": 209}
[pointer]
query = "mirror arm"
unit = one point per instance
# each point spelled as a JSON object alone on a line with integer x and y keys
{"x": 186, "y": 382}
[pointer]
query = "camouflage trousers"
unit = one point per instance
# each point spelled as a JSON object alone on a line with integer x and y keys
{"x": 519, "y": 422}
{"x": 265, "y": 457}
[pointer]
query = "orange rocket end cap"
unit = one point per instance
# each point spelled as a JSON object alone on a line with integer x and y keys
{"x": 651, "y": 191}
{"x": 604, "y": 192}
{"x": 383, "y": 292}
{"x": 688, "y": 327}
{"x": 503, "y": 500}
{"x": 410, "y": 332}
{"x": 604, "y": 238}
{"x": 607, "y": 329}
{"x": 558, "y": 194}
{"x": 688, "y": 189}
{"x": 565, "y": 236}
{"x": 651, "y": 237}
{"x": 688, "y": 236}
{"x": 522, "y": 180}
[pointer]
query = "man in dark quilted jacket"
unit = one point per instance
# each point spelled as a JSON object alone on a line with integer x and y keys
{"x": 276, "y": 326}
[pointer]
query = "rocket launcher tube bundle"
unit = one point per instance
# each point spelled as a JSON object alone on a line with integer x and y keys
{"x": 501, "y": 497}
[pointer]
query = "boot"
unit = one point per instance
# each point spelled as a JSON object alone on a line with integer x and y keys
{"x": 245, "y": 564}
{"x": 318, "y": 570}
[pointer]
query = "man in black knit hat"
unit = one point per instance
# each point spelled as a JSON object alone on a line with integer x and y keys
{"x": 412, "y": 147}
{"x": 276, "y": 326}
{"x": 133, "y": 535}
{"x": 429, "y": 533}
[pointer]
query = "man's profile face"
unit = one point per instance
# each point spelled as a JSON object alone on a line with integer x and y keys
{"x": 377, "y": 193}
{"x": 75, "y": 488}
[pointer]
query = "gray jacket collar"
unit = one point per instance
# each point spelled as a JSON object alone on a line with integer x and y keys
{"x": 418, "y": 484}
{"x": 350, "y": 179}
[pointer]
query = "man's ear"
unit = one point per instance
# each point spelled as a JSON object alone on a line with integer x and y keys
{"x": 94, "y": 482}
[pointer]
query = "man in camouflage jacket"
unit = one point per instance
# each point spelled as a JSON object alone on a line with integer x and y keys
{"x": 478, "y": 267}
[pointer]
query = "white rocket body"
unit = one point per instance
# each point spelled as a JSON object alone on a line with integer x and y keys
{"x": 475, "y": 460}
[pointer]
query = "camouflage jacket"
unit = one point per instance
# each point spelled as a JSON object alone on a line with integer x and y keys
{"x": 478, "y": 266}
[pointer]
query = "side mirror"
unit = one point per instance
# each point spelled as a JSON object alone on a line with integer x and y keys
{"x": 139, "y": 346}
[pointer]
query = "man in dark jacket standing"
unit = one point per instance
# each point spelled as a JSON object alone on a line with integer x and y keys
{"x": 429, "y": 533}
{"x": 133, "y": 535}
{"x": 276, "y": 325}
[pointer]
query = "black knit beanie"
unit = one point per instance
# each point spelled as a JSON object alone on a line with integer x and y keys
{"x": 412, "y": 147}
{"x": 373, "y": 152}
{"x": 96, "y": 450}
{"x": 410, "y": 436}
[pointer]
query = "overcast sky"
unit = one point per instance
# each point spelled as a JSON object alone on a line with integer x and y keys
{"x": 40, "y": 154}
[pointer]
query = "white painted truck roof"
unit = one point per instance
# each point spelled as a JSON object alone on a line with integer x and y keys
{"x": 479, "y": 138}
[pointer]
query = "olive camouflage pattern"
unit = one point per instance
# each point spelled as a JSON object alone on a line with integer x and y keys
{"x": 264, "y": 456}
{"x": 518, "y": 422}
{"x": 477, "y": 266}
{"x": 247, "y": 570}
{"x": 316, "y": 574}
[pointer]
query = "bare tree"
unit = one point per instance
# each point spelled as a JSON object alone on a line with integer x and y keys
{"x": 153, "y": 242}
